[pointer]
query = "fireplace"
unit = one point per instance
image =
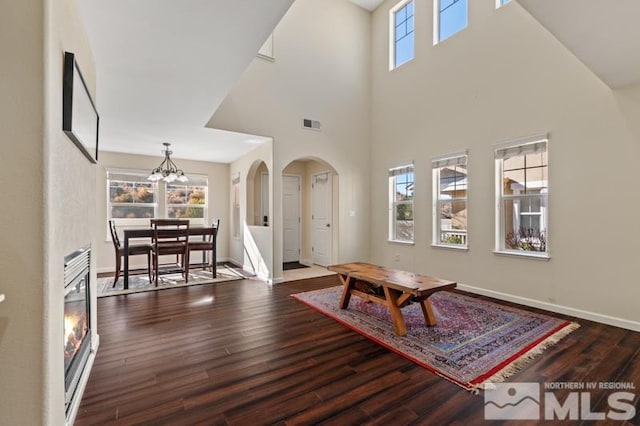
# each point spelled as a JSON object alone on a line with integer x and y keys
{"x": 77, "y": 320}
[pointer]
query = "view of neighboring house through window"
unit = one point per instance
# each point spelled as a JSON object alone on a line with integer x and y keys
{"x": 401, "y": 33}
{"x": 132, "y": 199}
{"x": 235, "y": 190}
{"x": 401, "y": 182}
{"x": 450, "y": 16}
{"x": 450, "y": 186}
{"x": 131, "y": 196}
{"x": 522, "y": 170}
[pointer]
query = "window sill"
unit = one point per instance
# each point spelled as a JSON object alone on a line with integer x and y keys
{"x": 406, "y": 243}
{"x": 532, "y": 255}
{"x": 452, "y": 247}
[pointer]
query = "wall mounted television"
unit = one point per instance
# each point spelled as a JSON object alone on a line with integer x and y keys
{"x": 80, "y": 120}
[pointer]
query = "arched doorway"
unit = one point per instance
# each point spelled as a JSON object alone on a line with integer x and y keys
{"x": 310, "y": 213}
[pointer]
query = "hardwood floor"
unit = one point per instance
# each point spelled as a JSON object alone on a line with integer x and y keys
{"x": 245, "y": 353}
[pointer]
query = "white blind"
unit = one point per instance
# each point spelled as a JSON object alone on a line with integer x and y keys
{"x": 127, "y": 175}
{"x": 525, "y": 146}
{"x": 458, "y": 160}
{"x": 402, "y": 170}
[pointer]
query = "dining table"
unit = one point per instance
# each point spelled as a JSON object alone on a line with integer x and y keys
{"x": 135, "y": 233}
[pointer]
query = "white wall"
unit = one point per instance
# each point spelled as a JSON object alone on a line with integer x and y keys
{"x": 218, "y": 200}
{"x": 505, "y": 77}
{"x": 253, "y": 248}
{"x": 321, "y": 71}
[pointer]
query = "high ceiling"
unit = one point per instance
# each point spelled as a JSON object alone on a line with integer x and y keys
{"x": 604, "y": 35}
{"x": 164, "y": 66}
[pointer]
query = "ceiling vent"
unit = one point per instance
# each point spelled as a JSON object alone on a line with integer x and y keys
{"x": 310, "y": 124}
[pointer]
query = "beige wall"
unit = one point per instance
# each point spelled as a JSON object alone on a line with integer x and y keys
{"x": 21, "y": 230}
{"x": 502, "y": 78}
{"x": 46, "y": 172}
{"x": 218, "y": 200}
{"x": 321, "y": 71}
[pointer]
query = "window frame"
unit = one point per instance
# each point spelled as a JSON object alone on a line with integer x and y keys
{"x": 131, "y": 222}
{"x": 437, "y": 21}
{"x": 501, "y": 198}
{"x": 161, "y": 205}
{"x": 192, "y": 220}
{"x": 392, "y": 34}
{"x": 393, "y": 203}
{"x": 235, "y": 207}
{"x": 457, "y": 158}
{"x": 500, "y": 3}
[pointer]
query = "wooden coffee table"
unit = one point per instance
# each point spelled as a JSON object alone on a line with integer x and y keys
{"x": 391, "y": 288}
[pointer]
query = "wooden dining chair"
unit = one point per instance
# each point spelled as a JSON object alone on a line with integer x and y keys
{"x": 170, "y": 237}
{"x": 206, "y": 245}
{"x": 134, "y": 250}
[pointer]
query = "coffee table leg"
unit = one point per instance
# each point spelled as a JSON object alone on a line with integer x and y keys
{"x": 347, "y": 284}
{"x": 427, "y": 311}
{"x": 396, "y": 314}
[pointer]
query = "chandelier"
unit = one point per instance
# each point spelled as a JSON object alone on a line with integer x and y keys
{"x": 167, "y": 170}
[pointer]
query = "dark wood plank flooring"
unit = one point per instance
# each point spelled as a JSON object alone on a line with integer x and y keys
{"x": 244, "y": 353}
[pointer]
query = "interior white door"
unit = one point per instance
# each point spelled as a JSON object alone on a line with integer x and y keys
{"x": 291, "y": 218}
{"x": 322, "y": 208}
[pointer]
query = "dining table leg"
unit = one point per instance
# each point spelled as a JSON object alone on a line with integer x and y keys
{"x": 126, "y": 262}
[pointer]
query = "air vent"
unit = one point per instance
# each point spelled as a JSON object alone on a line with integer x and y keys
{"x": 310, "y": 124}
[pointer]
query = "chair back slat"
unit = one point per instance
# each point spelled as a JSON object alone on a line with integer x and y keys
{"x": 114, "y": 234}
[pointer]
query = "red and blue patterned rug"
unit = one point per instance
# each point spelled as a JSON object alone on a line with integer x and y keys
{"x": 474, "y": 343}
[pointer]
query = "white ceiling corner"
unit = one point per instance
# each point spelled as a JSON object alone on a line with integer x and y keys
{"x": 369, "y": 5}
{"x": 604, "y": 35}
{"x": 163, "y": 67}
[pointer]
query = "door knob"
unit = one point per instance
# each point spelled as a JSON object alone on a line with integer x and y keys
{"x": 328, "y": 225}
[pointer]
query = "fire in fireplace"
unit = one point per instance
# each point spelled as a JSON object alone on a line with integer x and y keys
{"x": 77, "y": 310}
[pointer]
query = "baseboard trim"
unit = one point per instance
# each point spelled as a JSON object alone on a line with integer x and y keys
{"x": 306, "y": 262}
{"x": 561, "y": 309}
{"x": 278, "y": 280}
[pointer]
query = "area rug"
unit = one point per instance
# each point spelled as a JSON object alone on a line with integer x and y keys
{"x": 475, "y": 342}
{"x": 140, "y": 283}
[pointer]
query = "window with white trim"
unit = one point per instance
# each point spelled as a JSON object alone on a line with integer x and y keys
{"x": 450, "y": 17}
{"x": 522, "y": 187}
{"x": 401, "y": 37}
{"x": 131, "y": 198}
{"x": 235, "y": 190}
{"x": 450, "y": 187}
{"x": 401, "y": 182}
{"x": 187, "y": 200}
{"x": 500, "y": 3}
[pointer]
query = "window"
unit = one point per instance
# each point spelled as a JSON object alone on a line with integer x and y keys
{"x": 401, "y": 34}
{"x": 188, "y": 199}
{"x": 450, "y": 182}
{"x": 132, "y": 199}
{"x": 236, "y": 206}
{"x": 522, "y": 189}
{"x": 500, "y": 3}
{"x": 131, "y": 196}
{"x": 401, "y": 204}
{"x": 450, "y": 16}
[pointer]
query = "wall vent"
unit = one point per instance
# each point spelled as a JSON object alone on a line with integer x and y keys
{"x": 307, "y": 123}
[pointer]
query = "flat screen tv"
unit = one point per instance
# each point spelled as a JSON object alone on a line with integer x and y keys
{"x": 80, "y": 118}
